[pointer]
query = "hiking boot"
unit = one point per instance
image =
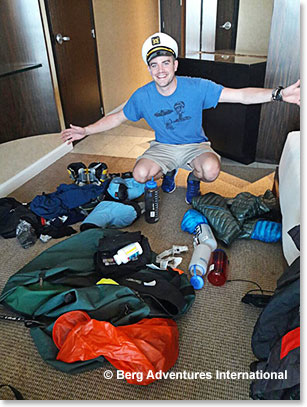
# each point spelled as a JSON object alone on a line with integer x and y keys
{"x": 193, "y": 189}
{"x": 78, "y": 173}
{"x": 97, "y": 173}
{"x": 168, "y": 183}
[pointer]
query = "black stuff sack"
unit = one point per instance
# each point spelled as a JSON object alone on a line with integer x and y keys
{"x": 109, "y": 246}
{"x": 168, "y": 293}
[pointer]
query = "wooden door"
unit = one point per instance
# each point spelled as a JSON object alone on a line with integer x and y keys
{"x": 172, "y": 14}
{"x": 72, "y": 31}
{"x": 226, "y": 24}
{"x": 27, "y": 104}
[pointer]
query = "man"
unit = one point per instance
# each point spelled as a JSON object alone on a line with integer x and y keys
{"x": 173, "y": 106}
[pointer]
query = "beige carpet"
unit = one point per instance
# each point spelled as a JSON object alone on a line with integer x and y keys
{"x": 214, "y": 336}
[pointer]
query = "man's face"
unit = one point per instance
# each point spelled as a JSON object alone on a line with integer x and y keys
{"x": 162, "y": 70}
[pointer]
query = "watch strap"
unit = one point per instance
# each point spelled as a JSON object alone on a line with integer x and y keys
{"x": 277, "y": 95}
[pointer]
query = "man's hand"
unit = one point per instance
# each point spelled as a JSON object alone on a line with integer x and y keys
{"x": 292, "y": 94}
{"x": 72, "y": 134}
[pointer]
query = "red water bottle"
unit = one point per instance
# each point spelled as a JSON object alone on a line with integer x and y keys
{"x": 218, "y": 267}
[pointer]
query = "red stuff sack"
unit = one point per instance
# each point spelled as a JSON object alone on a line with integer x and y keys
{"x": 140, "y": 350}
{"x": 65, "y": 323}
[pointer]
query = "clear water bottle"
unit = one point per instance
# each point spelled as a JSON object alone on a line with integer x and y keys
{"x": 151, "y": 201}
{"x": 204, "y": 243}
{"x": 218, "y": 268}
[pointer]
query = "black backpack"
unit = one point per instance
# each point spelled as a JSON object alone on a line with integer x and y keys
{"x": 275, "y": 329}
{"x": 11, "y": 211}
{"x": 167, "y": 293}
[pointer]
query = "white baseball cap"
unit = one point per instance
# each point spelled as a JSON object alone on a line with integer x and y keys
{"x": 157, "y": 45}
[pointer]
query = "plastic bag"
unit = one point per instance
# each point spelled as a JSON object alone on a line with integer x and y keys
{"x": 140, "y": 350}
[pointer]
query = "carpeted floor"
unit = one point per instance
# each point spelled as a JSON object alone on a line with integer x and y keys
{"x": 214, "y": 336}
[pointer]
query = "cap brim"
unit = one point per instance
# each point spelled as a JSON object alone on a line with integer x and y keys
{"x": 159, "y": 53}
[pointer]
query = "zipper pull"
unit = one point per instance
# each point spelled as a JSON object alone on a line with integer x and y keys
{"x": 41, "y": 278}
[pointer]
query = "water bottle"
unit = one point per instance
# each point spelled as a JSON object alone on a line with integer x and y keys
{"x": 204, "y": 243}
{"x": 218, "y": 268}
{"x": 151, "y": 201}
{"x": 130, "y": 252}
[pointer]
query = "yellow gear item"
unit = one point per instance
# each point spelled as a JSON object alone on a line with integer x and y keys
{"x": 107, "y": 281}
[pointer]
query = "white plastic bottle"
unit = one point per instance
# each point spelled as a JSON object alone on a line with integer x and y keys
{"x": 128, "y": 253}
{"x": 204, "y": 243}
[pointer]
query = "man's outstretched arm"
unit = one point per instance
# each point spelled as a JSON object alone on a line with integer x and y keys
{"x": 106, "y": 123}
{"x": 248, "y": 96}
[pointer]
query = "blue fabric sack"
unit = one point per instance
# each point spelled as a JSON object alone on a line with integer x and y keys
{"x": 192, "y": 218}
{"x": 111, "y": 214}
{"x": 267, "y": 231}
{"x": 125, "y": 189}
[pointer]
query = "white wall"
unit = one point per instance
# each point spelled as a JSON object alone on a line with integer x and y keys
{"x": 121, "y": 28}
{"x": 254, "y": 25}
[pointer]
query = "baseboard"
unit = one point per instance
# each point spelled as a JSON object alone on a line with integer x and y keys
{"x": 25, "y": 175}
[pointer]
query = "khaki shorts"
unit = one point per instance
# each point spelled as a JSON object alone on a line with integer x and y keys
{"x": 172, "y": 156}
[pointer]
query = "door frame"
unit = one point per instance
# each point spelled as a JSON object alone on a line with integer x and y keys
{"x": 54, "y": 76}
{"x": 97, "y": 59}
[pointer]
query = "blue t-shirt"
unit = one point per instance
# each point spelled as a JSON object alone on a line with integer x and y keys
{"x": 176, "y": 119}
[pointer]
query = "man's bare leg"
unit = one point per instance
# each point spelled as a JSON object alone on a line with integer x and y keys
{"x": 206, "y": 167}
{"x": 145, "y": 169}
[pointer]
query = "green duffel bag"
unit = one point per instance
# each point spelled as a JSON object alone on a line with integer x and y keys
{"x": 116, "y": 304}
{"x": 65, "y": 278}
{"x": 61, "y": 279}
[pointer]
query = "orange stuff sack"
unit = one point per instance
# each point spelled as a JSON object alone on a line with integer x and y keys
{"x": 65, "y": 323}
{"x": 140, "y": 350}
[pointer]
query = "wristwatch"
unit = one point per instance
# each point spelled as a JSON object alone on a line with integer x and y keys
{"x": 277, "y": 95}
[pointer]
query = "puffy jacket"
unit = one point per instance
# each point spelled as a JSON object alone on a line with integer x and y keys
{"x": 244, "y": 217}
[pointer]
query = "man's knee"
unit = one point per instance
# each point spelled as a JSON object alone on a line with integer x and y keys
{"x": 140, "y": 174}
{"x": 144, "y": 171}
{"x": 208, "y": 169}
{"x": 212, "y": 170}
